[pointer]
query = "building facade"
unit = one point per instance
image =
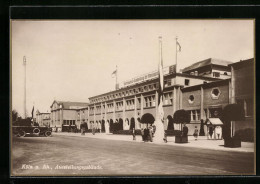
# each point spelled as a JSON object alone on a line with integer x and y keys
{"x": 198, "y": 89}
{"x": 43, "y": 119}
{"x": 64, "y": 114}
{"x": 203, "y": 89}
{"x": 243, "y": 91}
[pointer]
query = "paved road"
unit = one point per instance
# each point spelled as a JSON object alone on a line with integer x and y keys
{"x": 110, "y": 157}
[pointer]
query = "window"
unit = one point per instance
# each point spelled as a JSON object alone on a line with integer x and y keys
{"x": 169, "y": 82}
{"x": 195, "y": 115}
{"x": 145, "y": 88}
{"x": 248, "y": 106}
{"x": 215, "y": 93}
{"x": 138, "y": 103}
{"x": 216, "y": 74}
{"x": 119, "y": 106}
{"x": 187, "y": 82}
{"x": 191, "y": 99}
{"x": 149, "y": 101}
{"x": 130, "y": 104}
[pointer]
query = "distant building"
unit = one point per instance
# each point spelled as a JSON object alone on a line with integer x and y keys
{"x": 43, "y": 119}
{"x": 242, "y": 91}
{"x": 64, "y": 113}
{"x": 210, "y": 68}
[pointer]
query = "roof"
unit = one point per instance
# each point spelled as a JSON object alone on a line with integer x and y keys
{"x": 242, "y": 63}
{"x": 207, "y": 62}
{"x": 67, "y": 104}
{"x": 214, "y": 121}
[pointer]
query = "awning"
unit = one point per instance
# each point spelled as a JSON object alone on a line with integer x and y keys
{"x": 213, "y": 121}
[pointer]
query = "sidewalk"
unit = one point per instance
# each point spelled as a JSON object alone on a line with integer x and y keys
{"x": 202, "y": 141}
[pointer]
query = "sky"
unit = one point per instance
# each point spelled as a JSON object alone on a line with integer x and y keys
{"x": 72, "y": 60}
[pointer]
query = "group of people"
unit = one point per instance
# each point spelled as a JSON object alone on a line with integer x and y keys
{"x": 217, "y": 130}
{"x": 148, "y": 133}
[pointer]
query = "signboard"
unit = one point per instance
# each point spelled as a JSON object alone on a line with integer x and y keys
{"x": 149, "y": 76}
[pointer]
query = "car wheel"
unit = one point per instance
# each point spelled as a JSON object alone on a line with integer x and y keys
{"x": 22, "y": 133}
{"x": 36, "y": 131}
{"x": 48, "y": 133}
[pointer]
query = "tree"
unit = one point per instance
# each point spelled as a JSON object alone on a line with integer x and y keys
{"x": 147, "y": 118}
{"x": 15, "y": 115}
{"x": 181, "y": 116}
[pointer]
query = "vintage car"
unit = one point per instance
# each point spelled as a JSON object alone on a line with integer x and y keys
{"x": 22, "y": 128}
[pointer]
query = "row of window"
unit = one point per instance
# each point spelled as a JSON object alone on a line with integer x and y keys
{"x": 149, "y": 101}
{"x": 211, "y": 113}
{"x": 68, "y": 122}
{"x": 129, "y": 92}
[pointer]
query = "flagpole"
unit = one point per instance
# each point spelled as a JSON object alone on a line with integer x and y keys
{"x": 176, "y": 55}
{"x": 24, "y": 63}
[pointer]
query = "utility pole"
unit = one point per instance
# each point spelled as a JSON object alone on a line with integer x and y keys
{"x": 24, "y": 64}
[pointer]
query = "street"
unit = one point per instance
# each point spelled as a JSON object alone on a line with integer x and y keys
{"x": 79, "y": 156}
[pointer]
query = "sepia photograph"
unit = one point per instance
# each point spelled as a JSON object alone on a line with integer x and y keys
{"x": 132, "y": 97}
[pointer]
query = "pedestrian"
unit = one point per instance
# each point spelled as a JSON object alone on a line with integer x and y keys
{"x": 151, "y": 133}
{"x": 82, "y": 129}
{"x": 210, "y": 131}
{"x": 146, "y": 134}
{"x": 134, "y": 134}
{"x": 218, "y": 131}
{"x": 185, "y": 130}
{"x": 142, "y": 134}
{"x": 93, "y": 128}
{"x": 69, "y": 128}
{"x": 195, "y": 134}
{"x": 154, "y": 129}
{"x": 165, "y": 137}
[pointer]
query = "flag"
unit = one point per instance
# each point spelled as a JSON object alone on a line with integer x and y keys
{"x": 32, "y": 111}
{"x": 179, "y": 46}
{"x": 114, "y": 73}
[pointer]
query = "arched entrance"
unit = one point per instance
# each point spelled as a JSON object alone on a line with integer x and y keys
{"x": 170, "y": 123}
{"x": 111, "y": 126}
{"x": 120, "y": 124}
{"x": 127, "y": 124}
{"x": 132, "y": 123}
{"x": 103, "y": 126}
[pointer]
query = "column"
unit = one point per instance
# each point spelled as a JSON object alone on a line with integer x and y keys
{"x": 156, "y": 104}
{"x": 232, "y": 86}
{"x": 124, "y": 123}
{"x": 88, "y": 117}
{"x": 142, "y": 105}
{"x": 101, "y": 116}
{"x": 106, "y": 123}
{"x": 180, "y": 98}
{"x": 135, "y": 113}
{"x": 94, "y": 111}
{"x": 114, "y": 111}
{"x": 202, "y": 114}
{"x": 174, "y": 100}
